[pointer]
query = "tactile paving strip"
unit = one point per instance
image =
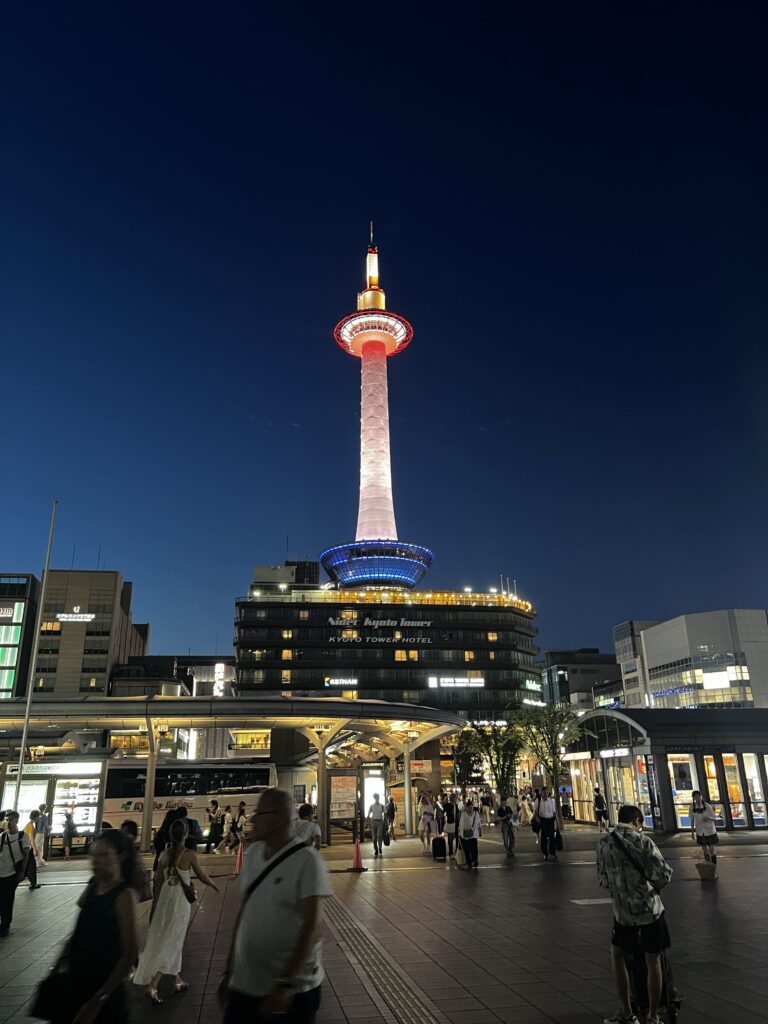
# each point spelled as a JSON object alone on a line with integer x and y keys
{"x": 373, "y": 965}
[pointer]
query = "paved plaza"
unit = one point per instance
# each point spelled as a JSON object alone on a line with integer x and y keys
{"x": 414, "y": 942}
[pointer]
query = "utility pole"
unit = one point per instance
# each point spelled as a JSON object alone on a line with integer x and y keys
{"x": 33, "y": 657}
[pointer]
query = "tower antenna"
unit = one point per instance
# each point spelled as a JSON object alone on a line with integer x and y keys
{"x": 371, "y": 223}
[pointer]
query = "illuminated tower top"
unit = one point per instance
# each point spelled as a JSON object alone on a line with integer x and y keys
{"x": 373, "y": 333}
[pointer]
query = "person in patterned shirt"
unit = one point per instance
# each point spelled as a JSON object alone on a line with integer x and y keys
{"x": 630, "y": 866}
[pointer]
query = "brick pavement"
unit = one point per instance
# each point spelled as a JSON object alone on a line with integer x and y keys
{"x": 413, "y": 942}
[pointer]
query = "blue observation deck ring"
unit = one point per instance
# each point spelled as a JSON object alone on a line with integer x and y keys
{"x": 373, "y": 563}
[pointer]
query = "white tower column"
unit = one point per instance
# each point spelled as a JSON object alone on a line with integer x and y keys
{"x": 376, "y": 515}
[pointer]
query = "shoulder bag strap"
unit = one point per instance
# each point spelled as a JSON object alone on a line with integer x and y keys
{"x": 629, "y": 854}
{"x": 269, "y": 869}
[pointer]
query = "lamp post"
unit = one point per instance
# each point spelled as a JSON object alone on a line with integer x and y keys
{"x": 33, "y": 657}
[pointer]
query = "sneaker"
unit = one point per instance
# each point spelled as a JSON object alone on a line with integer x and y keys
{"x": 621, "y": 1018}
{"x": 4, "y": 932}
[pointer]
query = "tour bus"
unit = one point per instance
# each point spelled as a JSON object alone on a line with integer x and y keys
{"x": 190, "y": 784}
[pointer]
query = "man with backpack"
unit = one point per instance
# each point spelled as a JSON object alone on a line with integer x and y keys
{"x": 601, "y": 810}
{"x": 632, "y": 868}
{"x": 274, "y": 966}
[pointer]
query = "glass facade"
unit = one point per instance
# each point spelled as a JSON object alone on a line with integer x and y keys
{"x": 721, "y": 679}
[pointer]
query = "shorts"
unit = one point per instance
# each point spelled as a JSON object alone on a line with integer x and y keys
{"x": 712, "y": 840}
{"x": 642, "y": 938}
{"x": 601, "y": 815}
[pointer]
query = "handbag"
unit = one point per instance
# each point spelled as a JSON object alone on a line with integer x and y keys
{"x": 536, "y": 826}
{"x": 187, "y": 887}
{"x": 558, "y": 840}
{"x": 461, "y": 857}
{"x": 385, "y": 837}
{"x": 56, "y": 998}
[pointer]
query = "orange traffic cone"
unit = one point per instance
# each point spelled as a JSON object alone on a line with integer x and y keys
{"x": 357, "y": 862}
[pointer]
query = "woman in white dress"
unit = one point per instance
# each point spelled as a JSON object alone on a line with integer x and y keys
{"x": 169, "y": 917}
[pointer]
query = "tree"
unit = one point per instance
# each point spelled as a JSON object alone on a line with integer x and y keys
{"x": 546, "y": 731}
{"x": 466, "y": 759}
{"x": 500, "y": 746}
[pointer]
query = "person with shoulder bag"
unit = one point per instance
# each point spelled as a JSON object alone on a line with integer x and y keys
{"x": 173, "y": 896}
{"x": 15, "y": 851}
{"x": 470, "y": 830}
{"x": 546, "y": 815}
{"x": 703, "y": 827}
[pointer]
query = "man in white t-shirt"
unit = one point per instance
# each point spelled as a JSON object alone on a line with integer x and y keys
{"x": 376, "y": 815}
{"x": 305, "y": 829}
{"x": 14, "y": 853}
{"x": 274, "y": 966}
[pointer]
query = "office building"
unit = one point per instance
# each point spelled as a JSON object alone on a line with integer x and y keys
{"x": 715, "y": 658}
{"x": 573, "y": 676}
{"x": 19, "y": 594}
{"x": 86, "y": 630}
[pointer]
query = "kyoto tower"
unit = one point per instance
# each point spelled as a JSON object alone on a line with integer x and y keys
{"x": 376, "y": 557}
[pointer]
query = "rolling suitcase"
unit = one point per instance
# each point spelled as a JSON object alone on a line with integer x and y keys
{"x": 638, "y": 980}
{"x": 439, "y": 848}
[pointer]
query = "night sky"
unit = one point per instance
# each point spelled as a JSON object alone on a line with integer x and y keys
{"x": 570, "y": 206}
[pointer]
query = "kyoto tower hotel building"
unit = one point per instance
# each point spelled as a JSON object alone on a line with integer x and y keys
{"x": 369, "y": 632}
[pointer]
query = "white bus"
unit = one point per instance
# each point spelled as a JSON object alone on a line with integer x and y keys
{"x": 190, "y": 784}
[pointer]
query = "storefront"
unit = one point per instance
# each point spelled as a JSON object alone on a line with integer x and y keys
{"x": 75, "y": 787}
{"x": 655, "y": 759}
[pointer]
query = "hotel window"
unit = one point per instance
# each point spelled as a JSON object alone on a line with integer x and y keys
{"x": 413, "y": 655}
{"x": 469, "y": 655}
{"x": 50, "y": 627}
{"x": 397, "y": 635}
{"x": 287, "y": 634}
{"x": 349, "y": 634}
{"x": 287, "y": 655}
{"x": 400, "y": 656}
{"x": 261, "y": 613}
{"x": 285, "y": 675}
{"x": 492, "y": 655}
{"x": 304, "y": 613}
{"x": 493, "y": 637}
{"x": 348, "y": 613}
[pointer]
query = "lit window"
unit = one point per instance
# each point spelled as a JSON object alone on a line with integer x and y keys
{"x": 492, "y": 655}
{"x": 50, "y": 627}
{"x": 349, "y": 634}
{"x": 469, "y": 655}
{"x": 493, "y": 637}
{"x": 413, "y": 655}
{"x": 348, "y": 613}
{"x": 397, "y": 635}
{"x": 287, "y": 655}
{"x": 304, "y": 613}
{"x": 400, "y": 656}
{"x": 285, "y": 675}
{"x": 349, "y": 694}
{"x": 287, "y": 634}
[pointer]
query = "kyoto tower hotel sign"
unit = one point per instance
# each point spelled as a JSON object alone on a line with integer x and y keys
{"x": 376, "y": 557}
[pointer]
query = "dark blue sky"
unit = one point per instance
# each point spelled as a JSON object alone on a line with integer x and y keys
{"x": 570, "y": 208}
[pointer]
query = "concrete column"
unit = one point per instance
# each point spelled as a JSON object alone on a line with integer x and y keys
{"x": 149, "y": 796}
{"x": 667, "y": 803}
{"x": 723, "y": 787}
{"x": 746, "y": 801}
{"x": 322, "y": 796}
{"x": 408, "y": 809}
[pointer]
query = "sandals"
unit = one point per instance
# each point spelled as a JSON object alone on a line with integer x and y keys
{"x": 154, "y": 997}
{"x": 183, "y": 987}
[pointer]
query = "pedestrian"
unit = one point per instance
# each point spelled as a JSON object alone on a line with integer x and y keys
{"x": 274, "y": 967}
{"x": 305, "y": 827}
{"x": 485, "y": 803}
{"x": 31, "y": 869}
{"x": 194, "y": 832}
{"x": 15, "y": 852}
{"x": 162, "y": 837}
{"x": 631, "y": 867}
{"x": 545, "y": 812}
{"x": 238, "y": 824}
{"x": 101, "y": 952}
{"x": 169, "y": 916}
{"x": 68, "y": 833}
{"x": 440, "y": 803}
{"x": 131, "y": 829}
{"x": 376, "y": 816}
{"x": 214, "y": 825}
{"x": 470, "y": 831}
{"x": 524, "y": 810}
{"x": 703, "y": 827}
{"x": 226, "y": 828}
{"x": 42, "y": 831}
{"x": 391, "y": 816}
{"x": 451, "y": 821}
{"x": 601, "y": 810}
{"x": 427, "y": 820}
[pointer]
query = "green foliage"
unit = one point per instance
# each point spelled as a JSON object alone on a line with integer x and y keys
{"x": 467, "y": 760}
{"x": 500, "y": 747}
{"x": 545, "y": 732}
